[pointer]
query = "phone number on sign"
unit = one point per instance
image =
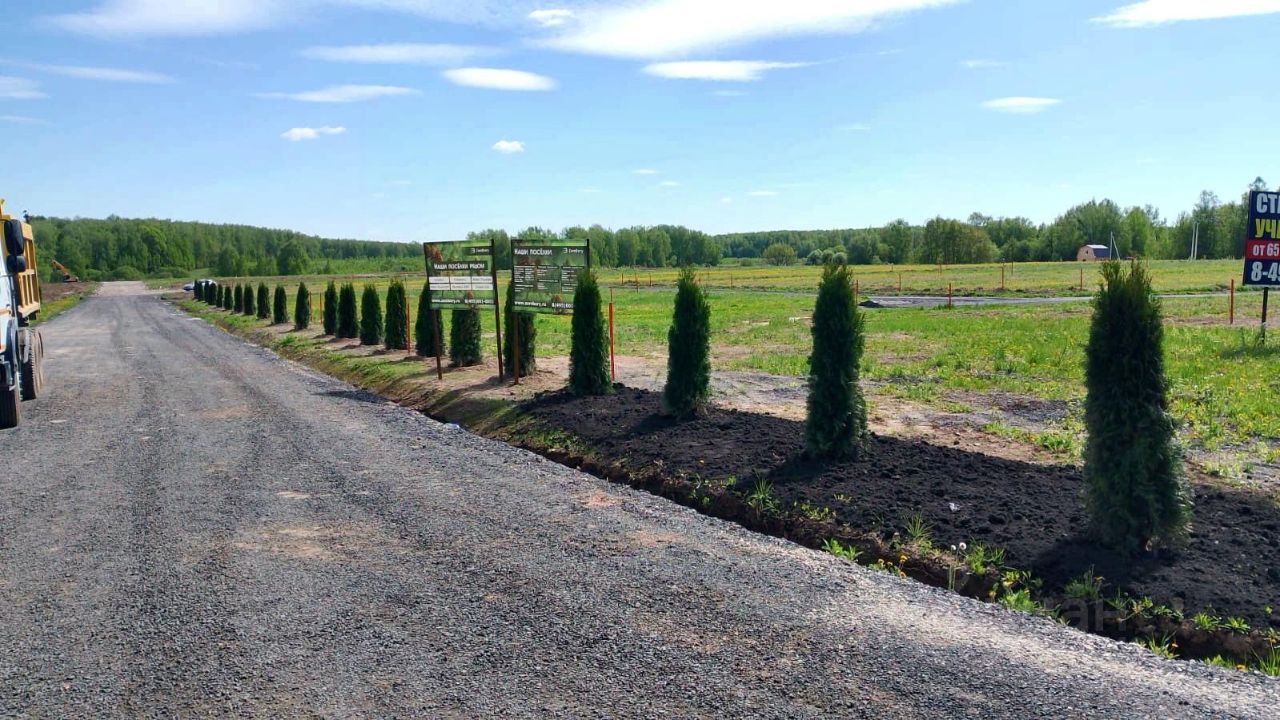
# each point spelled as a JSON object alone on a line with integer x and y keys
{"x": 1262, "y": 272}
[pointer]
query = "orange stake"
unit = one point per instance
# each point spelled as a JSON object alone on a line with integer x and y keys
{"x": 613, "y": 368}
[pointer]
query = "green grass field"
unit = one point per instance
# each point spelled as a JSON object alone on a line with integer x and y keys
{"x": 1223, "y": 387}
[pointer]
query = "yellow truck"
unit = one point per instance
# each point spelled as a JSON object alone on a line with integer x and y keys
{"x": 21, "y": 347}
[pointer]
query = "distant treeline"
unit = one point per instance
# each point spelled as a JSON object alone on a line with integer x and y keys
{"x": 119, "y": 248}
{"x": 124, "y": 249}
{"x": 1133, "y": 231}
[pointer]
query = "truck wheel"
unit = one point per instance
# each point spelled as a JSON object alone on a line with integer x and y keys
{"x": 33, "y": 368}
{"x": 10, "y": 407}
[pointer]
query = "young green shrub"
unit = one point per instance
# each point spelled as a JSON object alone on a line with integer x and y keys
{"x": 464, "y": 337}
{"x": 330, "y": 309}
{"x": 302, "y": 308}
{"x": 527, "y": 332}
{"x": 396, "y": 333}
{"x": 227, "y": 299}
{"x": 688, "y": 349}
{"x": 1134, "y": 488}
{"x": 249, "y": 305}
{"x": 264, "y": 302}
{"x": 589, "y": 341}
{"x": 836, "y": 422}
{"x": 370, "y": 316}
{"x": 238, "y": 307}
{"x": 197, "y": 291}
{"x": 214, "y": 296}
{"x": 424, "y": 343}
{"x": 280, "y": 306}
{"x": 348, "y": 323}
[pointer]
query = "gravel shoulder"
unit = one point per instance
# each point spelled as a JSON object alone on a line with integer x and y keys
{"x": 191, "y": 526}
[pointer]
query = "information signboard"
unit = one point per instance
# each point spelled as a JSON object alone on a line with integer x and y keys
{"x": 460, "y": 274}
{"x": 544, "y": 274}
{"x": 1262, "y": 240}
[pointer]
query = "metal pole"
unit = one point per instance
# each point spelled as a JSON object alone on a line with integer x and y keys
{"x": 1266, "y": 291}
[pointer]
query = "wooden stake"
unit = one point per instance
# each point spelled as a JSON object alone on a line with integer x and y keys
{"x": 1231, "y": 303}
{"x": 1002, "y": 278}
{"x": 1081, "y": 279}
{"x": 408, "y": 326}
{"x": 432, "y": 316}
{"x": 949, "y": 291}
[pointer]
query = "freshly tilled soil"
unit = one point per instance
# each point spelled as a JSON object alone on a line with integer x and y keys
{"x": 193, "y": 527}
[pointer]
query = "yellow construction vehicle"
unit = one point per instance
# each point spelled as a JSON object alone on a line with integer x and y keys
{"x": 67, "y": 275}
{"x": 21, "y": 347}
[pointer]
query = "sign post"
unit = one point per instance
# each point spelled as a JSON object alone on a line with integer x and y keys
{"x": 460, "y": 275}
{"x": 1262, "y": 247}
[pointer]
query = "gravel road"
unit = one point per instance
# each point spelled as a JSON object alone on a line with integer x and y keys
{"x": 191, "y": 526}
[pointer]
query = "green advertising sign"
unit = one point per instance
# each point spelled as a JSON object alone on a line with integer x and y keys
{"x": 460, "y": 274}
{"x": 544, "y": 274}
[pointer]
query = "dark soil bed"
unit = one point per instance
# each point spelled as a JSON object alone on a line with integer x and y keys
{"x": 1231, "y": 562}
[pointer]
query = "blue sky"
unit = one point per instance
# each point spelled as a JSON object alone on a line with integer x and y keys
{"x": 423, "y": 119}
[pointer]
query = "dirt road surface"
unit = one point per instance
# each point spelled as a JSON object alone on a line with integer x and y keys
{"x": 192, "y": 527}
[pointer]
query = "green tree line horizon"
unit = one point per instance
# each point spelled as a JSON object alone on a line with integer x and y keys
{"x": 118, "y": 248}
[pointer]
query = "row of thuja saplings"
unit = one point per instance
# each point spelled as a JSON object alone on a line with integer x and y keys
{"x": 341, "y": 318}
{"x": 1137, "y": 497}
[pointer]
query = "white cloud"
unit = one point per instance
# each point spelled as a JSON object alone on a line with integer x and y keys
{"x": 667, "y": 28}
{"x": 1021, "y": 105}
{"x": 508, "y": 147}
{"x": 718, "y": 70}
{"x": 499, "y": 79}
{"x": 980, "y": 64}
{"x": 762, "y": 193}
{"x": 551, "y": 18}
{"x": 305, "y": 133}
{"x": 644, "y": 171}
{"x": 669, "y": 183}
{"x": 16, "y": 88}
{"x": 343, "y": 93}
{"x": 189, "y": 18}
{"x": 726, "y": 200}
{"x": 22, "y": 120}
{"x": 166, "y": 17}
{"x": 401, "y": 53}
{"x": 1160, "y": 12}
{"x": 103, "y": 73}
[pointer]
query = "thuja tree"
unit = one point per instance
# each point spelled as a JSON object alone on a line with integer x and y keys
{"x": 197, "y": 292}
{"x": 348, "y": 323}
{"x": 464, "y": 337}
{"x": 518, "y": 326}
{"x": 688, "y": 349}
{"x": 1134, "y": 488}
{"x": 302, "y": 308}
{"x": 836, "y": 423}
{"x": 330, "y": 309}
{"x": 249, "y": 305}
{"x": 238, "y": 305}
{"x": 396, "y": 329}
{"x": 370, "y": 316}
{"x": 424, "y": 343}
{"x": 280, "y": 306}
{"x": 264, "y": 302}
{"x": 588, "y": 342}
{"x": 227, "y": 298}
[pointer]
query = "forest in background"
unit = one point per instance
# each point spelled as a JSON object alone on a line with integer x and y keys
{"x": 125, "y": 249}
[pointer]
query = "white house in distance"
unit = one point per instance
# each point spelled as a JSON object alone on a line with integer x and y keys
{"x": 1093, "y": 252}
